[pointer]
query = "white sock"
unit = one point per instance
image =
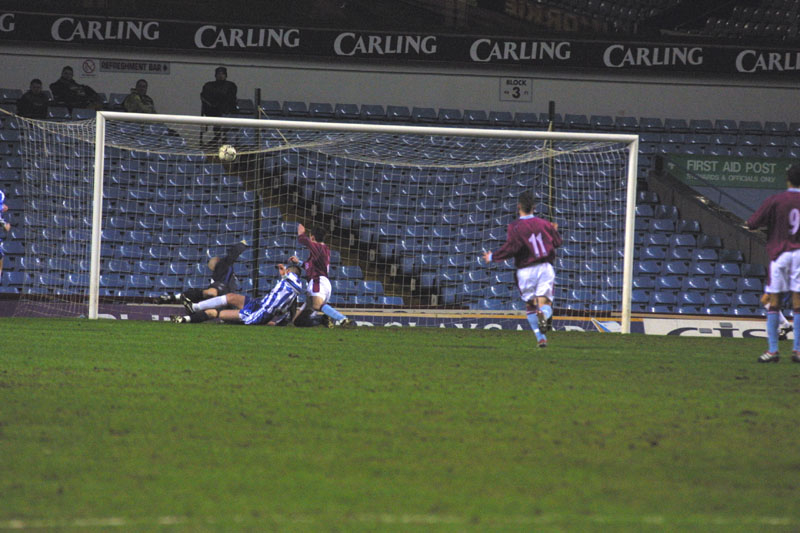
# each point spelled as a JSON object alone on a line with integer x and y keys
{"x": 783, "y": 320}
{"x": 211, "y": 303}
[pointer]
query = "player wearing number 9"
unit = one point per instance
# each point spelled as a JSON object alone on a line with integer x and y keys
{"x": 532, "y": 242}
{"x": 780, "y": 214}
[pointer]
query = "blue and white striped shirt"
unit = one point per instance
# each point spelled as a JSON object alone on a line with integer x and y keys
{"x": 276, "y": 303}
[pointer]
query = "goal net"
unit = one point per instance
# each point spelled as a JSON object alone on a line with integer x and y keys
{"x": 408, "y": 211}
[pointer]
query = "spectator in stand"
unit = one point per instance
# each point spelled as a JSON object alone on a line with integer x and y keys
{"x": 66, "y": 91}
{"x": 138, "y": 101}
{"x": 218, "y": 98}
{"x": 33, "y": 104}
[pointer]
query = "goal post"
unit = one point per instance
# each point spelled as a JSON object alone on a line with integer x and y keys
{"x": 408, "y": 209}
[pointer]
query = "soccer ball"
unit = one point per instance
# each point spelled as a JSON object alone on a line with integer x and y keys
{"x": 227, "y": 152}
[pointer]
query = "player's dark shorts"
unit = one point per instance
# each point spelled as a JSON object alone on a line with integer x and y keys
{"x": 222, "y": 288}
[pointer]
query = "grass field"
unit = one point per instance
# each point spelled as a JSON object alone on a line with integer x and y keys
{"x": 142, "y": 426}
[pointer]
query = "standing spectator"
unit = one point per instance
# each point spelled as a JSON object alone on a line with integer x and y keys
{"x": 218, "y": 98}
{"x": 780, "y": 214}
{"x": 66, "y": 91}
{"x": 532, "y": 242}
{"x": 33, "y": 104}
{"x": 138, "y": 101}
{"x": 5, "y": 225}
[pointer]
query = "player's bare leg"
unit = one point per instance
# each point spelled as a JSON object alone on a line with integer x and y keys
{"x": 545, "y": 313}
{"x": 318, "y": 304}
{"x": 532, "y": 311}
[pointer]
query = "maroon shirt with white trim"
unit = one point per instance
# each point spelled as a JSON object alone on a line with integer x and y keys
{"x": 780, "y": 214}
{"x": 319, "y": 260}
{"x": 529, "y": 240}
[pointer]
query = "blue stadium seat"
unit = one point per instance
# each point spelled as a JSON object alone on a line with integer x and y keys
{"x": 626, "y": 123}
{"x": 117, "y": 265}
{"x": 676, "y": 268}
{"x": 16, "y": 279}
{"x": 397, "y": 113}
{"x": 703, "y": 255}
{"x": 702, "y": 268}
{"x": 662, "y": 225}
{"x": 748, "y": 299}
{"x": 450, "y": 116}
{"x": 424, "y": 114}
{"x": 651, "y": 124}
{"x": 696, "y": 283}
{"x": 159, "y": 252}
{"x": 349, "y": 272}
{"x": 132, "y": 251}
{"x": 723, "y": 285}
{"x": 692, "y": 298}
{"x": 669, "y": 284}
{"x": 576, "y": 122}
{"x": 527, "y": 120}
{"x": 688, "y": 226}
{"x": 677, "y": 125}
{"x": 701, "y": 125}
{"x": 601, "y": 122}
{"x": 657, "y": 253}
{"x": 295, "y": 109}
{"x": 647, "y": 267}
{"x": 640, "y": 296}
{"x": 169, "y": 283}
{"x": 682, "y": 240}
{"x": 666, "y": 212}
{"x": 656, "y": 239}
{"x": 390, "y": 300}
{"x": 476, "y": 117}
{"x": 346, "y": 112}
{"x": 664, "y": 298}
{"x": 501, "y": 118}
{"x": 719, "y": 299}
{"x": 749, "y": 285}
{"x": 270, "y": 108}
{"x": 318, "y": 111}
{"x": 373, "y": 112}
{"x": 13, "y": 247}
{"x": 727, "y": 269}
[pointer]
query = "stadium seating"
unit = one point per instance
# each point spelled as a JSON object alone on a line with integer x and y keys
{"x": 674, "y": 255}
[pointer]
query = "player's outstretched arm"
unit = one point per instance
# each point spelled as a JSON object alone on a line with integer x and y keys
{"x": 301, "y": 229}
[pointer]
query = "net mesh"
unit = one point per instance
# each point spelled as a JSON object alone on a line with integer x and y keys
{"x": 407, "y": 214}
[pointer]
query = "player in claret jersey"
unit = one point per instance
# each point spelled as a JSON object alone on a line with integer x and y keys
{"x": 780, "y": 214}
{"x": 532, "y": 242}
{"x": 319, "y": 286}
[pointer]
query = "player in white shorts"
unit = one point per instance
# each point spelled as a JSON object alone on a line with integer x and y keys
{"x": 780, "y": 214}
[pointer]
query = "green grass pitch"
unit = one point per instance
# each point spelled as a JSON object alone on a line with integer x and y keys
{"x": 155, "y": 426}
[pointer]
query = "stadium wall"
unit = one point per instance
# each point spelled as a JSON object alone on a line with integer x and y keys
{"x": 176, "y": 79}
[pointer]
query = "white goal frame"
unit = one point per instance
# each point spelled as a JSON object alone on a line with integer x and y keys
{"x": 632, "y": 141}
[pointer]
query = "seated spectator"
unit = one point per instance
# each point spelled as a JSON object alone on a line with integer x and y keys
{"x": 33, "y": 104}
{"x": 66, "y": 91}
{"x": 138, "y": 101}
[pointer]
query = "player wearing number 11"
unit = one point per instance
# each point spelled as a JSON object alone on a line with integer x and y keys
{"x": 780, "y": 214}
{"x": 532, "y": 242}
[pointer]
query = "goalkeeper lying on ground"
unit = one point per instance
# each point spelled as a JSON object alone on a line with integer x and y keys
{"x": 270, "y": 310}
